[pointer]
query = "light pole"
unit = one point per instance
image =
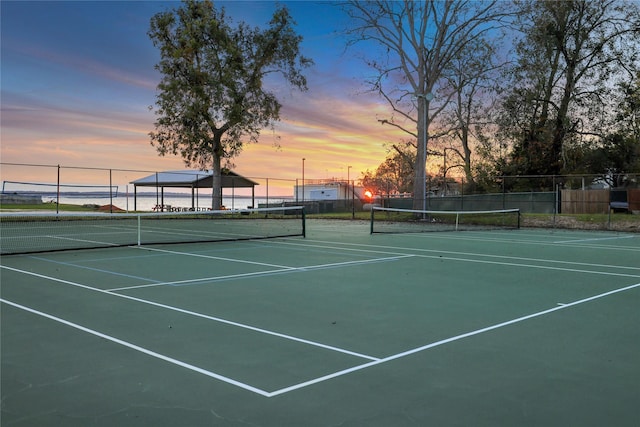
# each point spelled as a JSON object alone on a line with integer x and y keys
{"x": 351, "y": 192}
{"x": 444, "y": 171}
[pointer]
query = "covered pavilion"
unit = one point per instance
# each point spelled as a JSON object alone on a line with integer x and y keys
{"x": 190, "y": 179}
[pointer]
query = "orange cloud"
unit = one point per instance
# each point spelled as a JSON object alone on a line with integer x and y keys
{"x": 331, "y": 134}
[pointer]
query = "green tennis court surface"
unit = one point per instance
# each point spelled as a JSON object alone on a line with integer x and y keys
{"x": 341, "y": 328}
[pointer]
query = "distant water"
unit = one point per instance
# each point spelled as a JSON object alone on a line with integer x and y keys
{"x": 148, "y": 202}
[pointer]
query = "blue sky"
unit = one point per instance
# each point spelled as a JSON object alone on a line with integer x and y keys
{"x": 77, "y": 80}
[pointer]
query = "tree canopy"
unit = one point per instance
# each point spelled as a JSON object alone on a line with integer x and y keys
{"x": 568, "y": 57}
{"x": 212, "y": 98}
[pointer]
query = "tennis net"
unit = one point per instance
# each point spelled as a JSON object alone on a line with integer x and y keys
{"x": 22, "y": 233}
{"x": 390, "y": 220}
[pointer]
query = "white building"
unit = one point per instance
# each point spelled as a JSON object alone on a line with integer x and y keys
{"x": 327, "y": 190}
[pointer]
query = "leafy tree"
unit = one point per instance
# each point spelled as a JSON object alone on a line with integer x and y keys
{"x": 628, "y": 109}
{"x": 211, "y": 98}
{"x": 568, "y": 56}
{"x": 615, "y": 158}
{"x": 395, "y": 174}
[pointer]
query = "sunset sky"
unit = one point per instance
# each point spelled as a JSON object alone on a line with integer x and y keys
{"x": 78, "y": 79}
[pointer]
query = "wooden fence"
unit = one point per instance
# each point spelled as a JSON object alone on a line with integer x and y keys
{"x": 634, "y": 199}
{"x": 595, "y": 201}
{"x": 585, "y": 201}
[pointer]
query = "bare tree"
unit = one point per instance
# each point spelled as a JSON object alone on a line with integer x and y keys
{"x": 417, "y": 44}
{"x": 472, "y": 80}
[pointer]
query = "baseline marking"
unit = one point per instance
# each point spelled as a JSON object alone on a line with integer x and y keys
{"x": 140, "y": 349}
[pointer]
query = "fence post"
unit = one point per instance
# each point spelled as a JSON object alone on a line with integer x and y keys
{"x": 553, "y": 188}
{"x": 58, "y": 193}
{"x": 556, "y": 187}
{"x": 504, "y": 194}
{"x": 110, "y": 192}
{"x": 353, "y": 200}
{"x": 609, "y": 216}
{"x": 157, "y": 201}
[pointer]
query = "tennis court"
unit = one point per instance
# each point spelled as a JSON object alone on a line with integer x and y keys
{"x": 341, "y": 327}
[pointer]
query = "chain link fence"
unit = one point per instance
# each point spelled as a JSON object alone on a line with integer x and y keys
{"x": 116, "y": 189}
{"x": 602, "y": 198}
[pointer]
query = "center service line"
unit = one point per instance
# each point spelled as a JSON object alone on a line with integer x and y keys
{"x": 196, "y": 314}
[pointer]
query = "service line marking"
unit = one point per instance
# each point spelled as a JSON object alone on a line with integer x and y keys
{"x": 190, "y": 254}
{"x": 196, "y": 314}
{"x": 263, "y": 273}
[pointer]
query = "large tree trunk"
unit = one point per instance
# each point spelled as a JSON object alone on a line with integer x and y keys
{"x": 216, "y": 184}
{"x": 420, "y": 178}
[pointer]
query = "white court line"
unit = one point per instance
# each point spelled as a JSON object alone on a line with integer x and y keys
{"x": 265, "y": 272}
{"x": 204, "y": 279}
{"x": 446, "y": 341}
{"x": 350, "y": 263}
{"x": 374, "y": 362}
{"x": 141, "y": 349}
{"x": 405, "y": 250}
{"x": 73, "y": 239}
{"x": 595, "y": 239}
{"x": 98, "y": 270}
{"x": 211, "y": 257}
{"x": 196, "y": 314}
{"x": 517, "y": 241}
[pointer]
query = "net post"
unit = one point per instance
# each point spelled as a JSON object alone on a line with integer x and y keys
{"x": 110, "y": 192}
{"x": 457, "y": 219}
{"x": 304, "y": 222}
{"x": 371, "y": 226}
{"x": 139, "y": 229}
{"x": 519, "y": 214}
{"x": 58, "y": 193}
